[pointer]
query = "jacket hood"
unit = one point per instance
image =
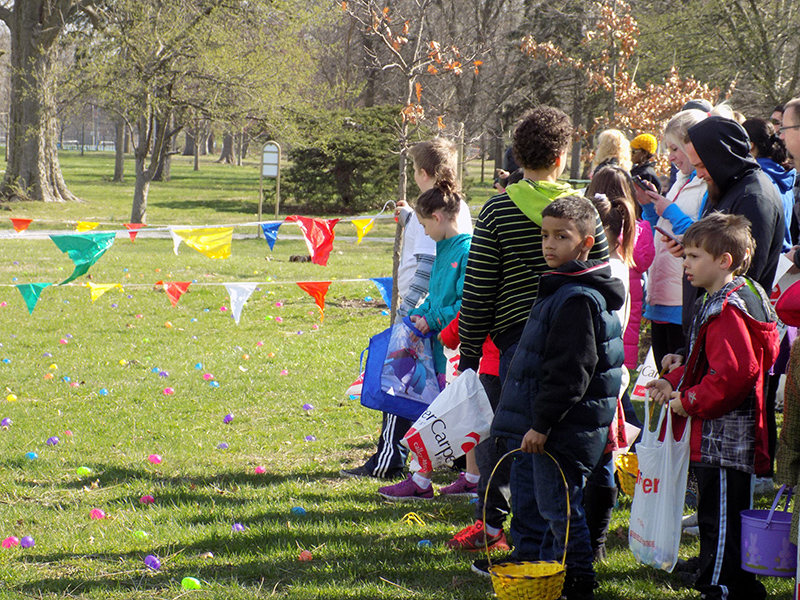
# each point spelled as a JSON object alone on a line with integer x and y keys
{"x": 532, "y": 196}
{"x": 592, "y": 273}
{"x": 781, "y": 177}
{"x": 724, "y": 148}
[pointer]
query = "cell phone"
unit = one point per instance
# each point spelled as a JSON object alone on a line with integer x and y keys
{"x": 669, "y": 235}
{"x": 640, "y": 182}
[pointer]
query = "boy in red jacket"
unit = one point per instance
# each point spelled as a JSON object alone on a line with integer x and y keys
{"x": 732, "y": 344}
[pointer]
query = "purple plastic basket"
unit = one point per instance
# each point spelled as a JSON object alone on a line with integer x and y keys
{"x": 767, "y": 548}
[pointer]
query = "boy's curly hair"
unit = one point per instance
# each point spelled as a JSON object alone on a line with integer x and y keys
{"x": 540, "y": 138}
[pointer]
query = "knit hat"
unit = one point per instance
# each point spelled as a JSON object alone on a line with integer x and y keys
{"x": 788, "y": 305}
{"x": 645, "y": 142}
{"x": 698, "y": 104}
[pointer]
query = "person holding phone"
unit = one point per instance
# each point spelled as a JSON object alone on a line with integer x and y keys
{"x": 670, "y": 217}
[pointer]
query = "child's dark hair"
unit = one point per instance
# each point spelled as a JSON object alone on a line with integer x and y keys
{"x": 442, "y": 196}
{"x": 614, "y": 182}
{"x": 617, "y": 217}
{"x": 576, "y": 209}
{"x": 719, "y": 233}
{"x": 438, "y": 158}
{"x": 766, "y": 141}
{"x": 540, "y": 138}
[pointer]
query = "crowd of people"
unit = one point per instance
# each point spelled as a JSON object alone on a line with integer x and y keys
{"x": 545, "y": 296}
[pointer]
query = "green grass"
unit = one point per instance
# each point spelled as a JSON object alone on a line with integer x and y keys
{"x": 363, "y": 547}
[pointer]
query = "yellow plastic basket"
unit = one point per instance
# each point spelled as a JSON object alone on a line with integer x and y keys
{"x": 627, "y": 472}
{"x": 539, "y": 580}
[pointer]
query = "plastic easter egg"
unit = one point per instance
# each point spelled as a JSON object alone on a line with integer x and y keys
{"x": 140, "y": 535}
{"x": 311, "y": 438}
{"x": 66, "y": 379}
{"x": 27, "y": 542}
{"x": 114, "y": 305}
{"x": 208, "y": 376}
{"x": 192, "y": 320}
{"x": 46, "y": 355}
{"x": 52, "y": 441}
{"x": 163, "y": 374}
{"x": 7, "y": 361}
{"x": 123, "y": 362}
{"x": 223, "y": 446}
{"x": 147, "y": 499}
{"x": 68, "y": 433}
{"x": 168, "y": 391}
{"x": 236, "y": 527}
{"x": 308, "y": 406}
{"x": 48, "y": 375}
{"x": 305, "y": 556}
{"x": 83, "y": 471}
{"x": 198, "y": 366}
{"x": 97, "y": 514}
{"x": 278, "y": 304}
{"x": 223, "y": 308}
{"x": 152, "y": 562}
{"x": 315, "y": 326}
{"x": 279, "y": 319}
{"x": 284, "y": 372}
{"x": 11, "y": 397}
{"x": 154, "y": 459}
{"x": 103, "y": 392}
{"x": 191, "y": 583}
{"x": 63, "y": 341}
{"x": 74, "y": 384}
{"x": 31, "y": 455}
{"x": 3, "y": 304}
{"x": 424, "y": 544}
{"x": 367, "y": 298}
{"x": 271, "y": 355}
{"x": 260, "y": 470}
{"x": 259, "y": 344}
{"x": 53, "y": 367}
{"x": 10, "y": 542}
{"x": 245, "y": 357}
{"x": 68, "y": 336}
{"x": 6, "y": 422}
{"x": 385, "y": 313}
{"x": 168, "y": 325}
{"x": 227, "y": 419}
{"x": 298, "y": 511}
{"x": 155, "y": 370}
{"x": 213, "y": 384}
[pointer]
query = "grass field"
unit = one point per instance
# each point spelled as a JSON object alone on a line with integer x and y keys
{"x": 101, "y": 392}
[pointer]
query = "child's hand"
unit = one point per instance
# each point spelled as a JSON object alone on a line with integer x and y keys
{"x": 660, "y": 390}
{"x": 676, "y": 406}
{"x": 673, "y": 247}
{"x": 421, "y": 324}
{"x": 670, "y": 362}
{"x": 533, "y": 442}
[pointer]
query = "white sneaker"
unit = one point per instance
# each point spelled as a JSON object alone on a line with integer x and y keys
{"x": 764, "y": 485}
{"x": 689, "y": 521}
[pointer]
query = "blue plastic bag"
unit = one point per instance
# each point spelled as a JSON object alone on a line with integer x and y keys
{"x": 399, "y": 377}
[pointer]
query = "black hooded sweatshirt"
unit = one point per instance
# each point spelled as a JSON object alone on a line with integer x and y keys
{"x": 724, "y": 148}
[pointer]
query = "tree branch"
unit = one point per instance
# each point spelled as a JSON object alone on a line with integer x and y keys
{"x": 6, "y": 16}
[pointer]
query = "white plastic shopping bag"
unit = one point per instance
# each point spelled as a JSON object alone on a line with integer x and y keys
{"x": 454, "y": 423}
{"x": 655, "y": 529}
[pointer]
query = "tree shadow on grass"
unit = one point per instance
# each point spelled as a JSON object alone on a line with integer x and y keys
{"x": 218, "y": 205}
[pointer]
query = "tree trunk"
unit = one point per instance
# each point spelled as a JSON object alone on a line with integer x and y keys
{"x": 119, "y": 147}
{"x": 33, "y": 171}
{"x": 210, "y": 143}
{"x": 188, "y": 143}
{"x": 140, "y": 190}
{"x": 227, "y": 155}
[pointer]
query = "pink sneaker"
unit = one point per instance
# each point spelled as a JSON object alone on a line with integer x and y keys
{"x": 461, "y": 487}
{"x": 406, "y": 490}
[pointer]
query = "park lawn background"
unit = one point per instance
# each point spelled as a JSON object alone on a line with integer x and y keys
{"x": 363, "y": 547}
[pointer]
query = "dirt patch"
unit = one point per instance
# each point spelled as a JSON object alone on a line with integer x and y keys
{"x": 357, "y": 303}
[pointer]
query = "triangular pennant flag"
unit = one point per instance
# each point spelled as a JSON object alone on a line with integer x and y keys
{"x": 132, "y": 227}
{"x": 239, "y": 293}
{"x": 20, "y": 224}
{"x": 214, "y": 242}
{"x": 363, "y": 227}
{"x": 84, "y": 250}
{"x": 30, "y": 293}
{"x": 384, "y": 285}
{"x": 98, "y": 289}
{"x": 176, "y": 241}
{"x": 271, "y": 233}
{"x": 319, "y": 236}
{"x": 85, "y": 226}
{"x": 175, "y": 289}
{"x": 317, "y": 290}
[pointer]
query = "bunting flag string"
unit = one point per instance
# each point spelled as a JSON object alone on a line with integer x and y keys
{"x": 133, "y": 227}
{"x": 384, "y": 285}
{"x": 20, "y": 225}
{"x": 213, "y": 243}
{"x": 271, "y": 233}
{"x": 175, "y": 289}
{"x": 317, "y": 290}
{"x": 84, "y": 250}
{"x": 363, "y": 227}
{"x": 319, "y": 236}
{"x": 30, "y": 293}
{"x": 239, "y": 293}
{"x": 83, "y": 226}
{"x": 98, "y": 289}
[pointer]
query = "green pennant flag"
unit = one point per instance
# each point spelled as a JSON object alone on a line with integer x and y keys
{"x": 84, "y": 250}
{"x": 30, "y": 293}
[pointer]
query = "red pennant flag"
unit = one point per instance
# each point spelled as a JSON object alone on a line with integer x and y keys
{"x": 134, "y": 227}
{"x": 175, "y": 289}
{"x": 317, "y": 290}
{"x": 21, "y": 224}
{"x": 319, "y": 236}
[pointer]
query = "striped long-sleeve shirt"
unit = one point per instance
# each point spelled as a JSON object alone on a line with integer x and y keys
{"x": 505, "y": 261}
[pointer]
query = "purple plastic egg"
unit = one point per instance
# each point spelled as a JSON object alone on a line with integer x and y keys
{"x": 237, "y": 527}
{"x": 228, "y": 418}
{"x": 27, "y": 542}
{"x": 52, "y": 441}
{"x": 152, "y": 562}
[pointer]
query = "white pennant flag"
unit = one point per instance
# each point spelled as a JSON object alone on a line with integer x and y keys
{"x": 239, "y": 293}
{"x": 176, "y": 241}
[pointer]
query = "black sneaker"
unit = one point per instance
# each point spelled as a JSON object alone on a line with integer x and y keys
{"x": 579, "y": 587}
{"x": 364, "y": 471}
{"x": 481, "y": 566}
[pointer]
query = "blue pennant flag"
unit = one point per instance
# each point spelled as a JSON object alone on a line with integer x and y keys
{"x": 271, "y": 233}
{"x": 385, "y": 288}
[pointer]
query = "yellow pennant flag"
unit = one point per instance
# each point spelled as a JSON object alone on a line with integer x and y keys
{"x": 363, "y": 227}
{"x": 85, "y": 226}
{"x": 213, "y": 242}
{"x": 98, "y": 289}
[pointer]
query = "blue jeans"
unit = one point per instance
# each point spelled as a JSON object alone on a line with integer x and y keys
{"x": 538, "y": 506}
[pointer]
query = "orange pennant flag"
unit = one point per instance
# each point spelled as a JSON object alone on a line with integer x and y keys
{"x": 21, "y": 224}
{"x": 175, "y": 289}
{"x": 132, "y": 227}
{"x": 317, "y": 290}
